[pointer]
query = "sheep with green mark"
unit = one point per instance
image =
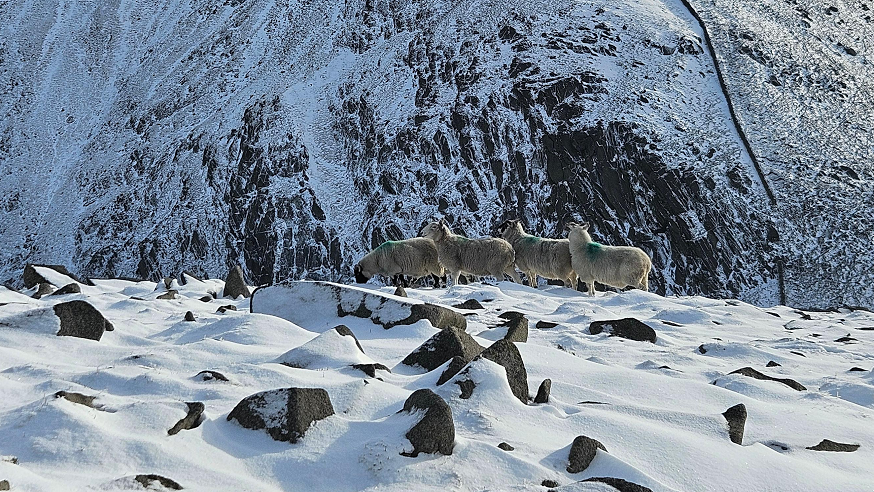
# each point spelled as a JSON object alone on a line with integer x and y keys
{"x": 549, "y": 258}
{"x": 416, "y": 257}
{"x": 616, "y": 266}
{"x": 480, "y": 257}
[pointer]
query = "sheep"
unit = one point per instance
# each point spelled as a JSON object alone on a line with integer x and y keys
{"x": 616, "y": 266}
{"x": 487, "y": 256}
{"x": 416, "y": 257}
{"x": 550, "y": 258}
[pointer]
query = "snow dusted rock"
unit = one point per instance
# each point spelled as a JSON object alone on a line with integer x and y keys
{"x": 192, "y": 420}
{"x": 506, "y": 354}
{"x": 400, "y": 291}
{"x": 226, "y": 308}
{"x": 737, "y": 418}
{"x": 506, "y": 447}
{"x": 620, "y": 484}
{"x": 80, "y": 319}
{"x": 285, "y": 414}
{"x": 469, "y": 304}
{"x": 629, "y": 328}
{"x": 442, "y": 347}
{"x": 435, "y": 432}
{"x": 750, "y": 372}
{"x": 4, "y": 485}
{"x": 296, "y": 301}
{"x": 170, "y": 294}
{"x": 334, "y": 349}
{"x": 37, "y": 274}
{"x": 545, "y": 325}
{"x": 582, "y": 452}
{"x": 827, "y": 445}
{"x": 71, "y": 288}
{"x": 211, "y": 376}
{"x": 455, "y": 365}
{"x": 79, "y": 399}
{"x": 543, "y": 391}
{"x": 517, "y": 329}
{"x": 44, "y": 289}
{"x": 235, "y": 286}
{"x": 549, "y": 483}
{"x": 147, "y": 481}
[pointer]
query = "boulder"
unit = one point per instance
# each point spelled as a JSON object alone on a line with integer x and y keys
{"x": 80, "y": 319}
{"x": 455, "y": 365}
{"x": 189, "y": 316}
{"x": 551, "y": 484}
{"x": 45, "y": 289}
{"x": 737, "y": 418}
{"x": 4, "y": 485}
{"x": 224, "y": 309}
{"x": 507, "y": 355}
{"x": 285, "y": 414}
{"x": 750, "y": 372}
{"x": 284, "y": 300}
{"x": 620, "y": 484}
{"x": 206, "y": 299}
{"x": 68, "y": 289}
{"x": 772, "y": 364}
{"x": 192, "y": 420}
{"x": 400, "y": 292}
{"x": 435, "y": 432}
{"x": 147, "y": 480}
{"x": 332, "y": 349}
{"x": 545, "y": 325}
{"x": 211, "y": 376}
{"x": 517, "y": 329}
{"x": 630, "y": 328}
{"x": 543, "y": 391}
{"x": 442, "y": 347}
{"x": 79, "y": 399}
{"x": 582, "y": 452}
{"x": 469, "y": 304}
{"x": 170, "y": 294}
{"x": 506, "y": 447}
{"x": 826, "y": 445}
{"x": 32, "y": 277}
{"x": 235, "y": 286}
{"x": 370, "y": 369}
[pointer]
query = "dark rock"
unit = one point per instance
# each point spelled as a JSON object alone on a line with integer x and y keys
{"x": 549, "y": 483}
{"x": 846, "y": 339}
{"x": 285, "y": 414}
{"x": 435, "y": 433}
{"x": 31, "y": 277}
{"x": 45, "y": 289}
{"x": 443, "y": 346}
{"x": 737, "y": 418}
{"x": 506, "y": 447}
{"x": 370, "y": 369}
{"x": 455, "y": 365}
{"x": 224, "y": 309}
{"x": 210, "y": 375}
{"x": 206, "y": 299}
{"x": 701, "y": 349}
{"x": 183, "y": 279}
{"x": 67, "y": 289}
{"x": 543, "y": 391}
{"x": 346, "y": 332}
{"x": 235, "y": 286}
{"x": 797, "y": 353}
{"x": 826, "y": 445}
{"x": 4, "y": 485}
{"x": 772, "y": 364}
{"x": 147, "y": 480}
{"x": 750, "y": 372}
{"x": 78, "y": 398}
{"x": 170, "y": 294}
{"x": 582, "y": 453}
{"x": 467, "y": 386}
{"x": 629, "y": 328}
{"x": 400, "y": 292}
{"x": 517, "y": 329}
{"x": 511, "y": 315}
{"x": 857, "y": 369}
{"x": 619, "y": 484}
{"x": 192, "y": 420}
{"x": 469, "y": 304}
{"x": 168, "y": 282}
{"x": 506, "y": 354}
{"x": 545, "y": 325}
{"x": 80, "y": 319}
{"x": 189, "y": 316}
{"x": 9, "y": 459}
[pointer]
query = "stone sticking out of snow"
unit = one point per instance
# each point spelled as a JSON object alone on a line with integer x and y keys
{"x": 827, "y": 445}
{"x": 750, "y": 372}
{"x": 435, "y": 432}
{"x": 72, "y": 288}
{"x": 630, "y": 328}
{"x": 333, "y": 349}
{"x": 285, "y": 414}
{"x": 471, "y": 304}
{"x": 582, "y": 452}
{"x": 191, "y": 420}
{"x": 299, "y": 301}
{"x": 543, "y": 391}
{"x": 736, "y": 417}
{"x": 235, "y": 286}
{"x": 620, "y": 484}
{"x": 507, "y": 355}
{"x": 443, "y": 346}
{"x": 189, "y": 316}
{"x": 210, "y": 376}
{"x": 44, "y": 289}
{"x": 148, "y": 480}
{"x": 455, "y": 365}
{"x": 400, "y": 291}
{"x": 53, "y": 274}
{"x": 517, "y": 329}
{"x": 80, "y": 319}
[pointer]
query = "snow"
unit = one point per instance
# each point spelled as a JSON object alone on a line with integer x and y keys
{"x": 661, "y": 425}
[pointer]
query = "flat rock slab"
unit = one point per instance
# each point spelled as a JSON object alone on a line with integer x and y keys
{"x": 435, "y": 432}
{"x": 82, "y": 320}
{"x": 300, "y": 301}
{"x": 285, "y": 414}
{"x": 630, "y": 328}
{"x": 750, "y": 372}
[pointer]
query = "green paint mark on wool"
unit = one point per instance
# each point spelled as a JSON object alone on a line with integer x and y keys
{"x": 593, "y": 249}
{"x": 531, "y": 239}
{"x": 387, "y": 245}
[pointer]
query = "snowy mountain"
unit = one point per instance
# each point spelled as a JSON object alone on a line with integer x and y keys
{"x": 291, "y": 137}
{"x": 160, "y": 401}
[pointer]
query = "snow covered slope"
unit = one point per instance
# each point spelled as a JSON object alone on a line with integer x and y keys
{"x": 292, "y": 137}
{"x": 656, "y": 408}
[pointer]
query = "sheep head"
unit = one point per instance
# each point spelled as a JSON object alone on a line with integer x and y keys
{"x": 360, "y": 278}
{"x": 435, "y": 230}
{"x": 509, "y": 226}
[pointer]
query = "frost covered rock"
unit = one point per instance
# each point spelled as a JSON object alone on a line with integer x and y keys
{"x": 507, "y": 355}
{"x": 81, "y": 319}
{"x": 582, "y": 452}
{"x": 629, "y": 328}
{"x": 737, "y": 418}
{"x": 71, "y": 288}
{"x": 235, "y": 286}
{"x": 442, "y": 347}
{"x": 285, "y": 414}
{"x": 435, "y": 432}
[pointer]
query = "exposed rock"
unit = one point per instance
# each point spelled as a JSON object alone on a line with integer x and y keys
{"x": 826, "y": 445}
{"x": 511, "y": 315}
{"x": 506, "y": 447}
{"x": 80, "y": 319}
{"x": 517, "y": 329}
{"x": 455, "y": 365}
{"x": 737, "y": 418}
{"x": 9, "y": 459}
{"x": 386, "y": 310}
{"x": 443, "y": 346}
{"x": 206, "y": 299}
{"x": 400, "y": 291}
{"x": 629, "y": 328}
{"x": 772, "y": 364}
{"x": 857, "y": 369}
{"x": 147, "y": 480}
{"x": 31, "y": 277}
{"x": 506, "y": 354}
{"x": 466, "y": 386}
{"x": 370, "y": 369}
{"x": 543, "y": 391}
{"x": 333, "y": 349}
{"x": 170, "y": 294}
{"x": 847, "y": 339}
{"x": 235, "y": 286}
{"x": 45, "y": 289}
{"x": 224, "y": 309}
{"x": 79, "y": 398}
{"x": 620, "y": 484}
{"x": 545, "y": 325}
{"x": 211, "y": 375}
{"x": 435, "y": 433}
{"x": 192, "y": 420}
{"x": 168, "y": 282}
{"x": 582, "y": 452}
{"x": 549, "y": 483}
{"x": 4, "y": 485}
{"x": 189, "y": 316}
{"x": 346, "y": 332}
{"x": 68, "y": 289}
{"x": 469, "y": 304}
{"x": 702, "y": 349}
{"x": 285, "y": 414}
{"x": 750, "y": 372}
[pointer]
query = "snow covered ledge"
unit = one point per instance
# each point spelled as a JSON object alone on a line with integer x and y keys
{"x": 297, "y": 301}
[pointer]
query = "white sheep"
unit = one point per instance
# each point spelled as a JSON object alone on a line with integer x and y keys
{"x": 415, "y": 257}
{"x": 480, "y": 257}
{"x": 549, "y": 258}
{"x": 616, "y": 266}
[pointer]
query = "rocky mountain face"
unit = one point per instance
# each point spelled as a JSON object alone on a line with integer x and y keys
{"x": 293, "y": 137}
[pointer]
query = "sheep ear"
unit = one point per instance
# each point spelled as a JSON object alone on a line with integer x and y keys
{"x": 585, "y": 225}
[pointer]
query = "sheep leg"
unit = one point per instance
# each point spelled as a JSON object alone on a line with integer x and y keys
{"x": 591, "y": 286}
{"x": 532, "y": 279}
{"x": 454, "y": 276}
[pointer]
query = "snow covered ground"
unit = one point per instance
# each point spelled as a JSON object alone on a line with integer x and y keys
{"x": 655, "y": 407}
